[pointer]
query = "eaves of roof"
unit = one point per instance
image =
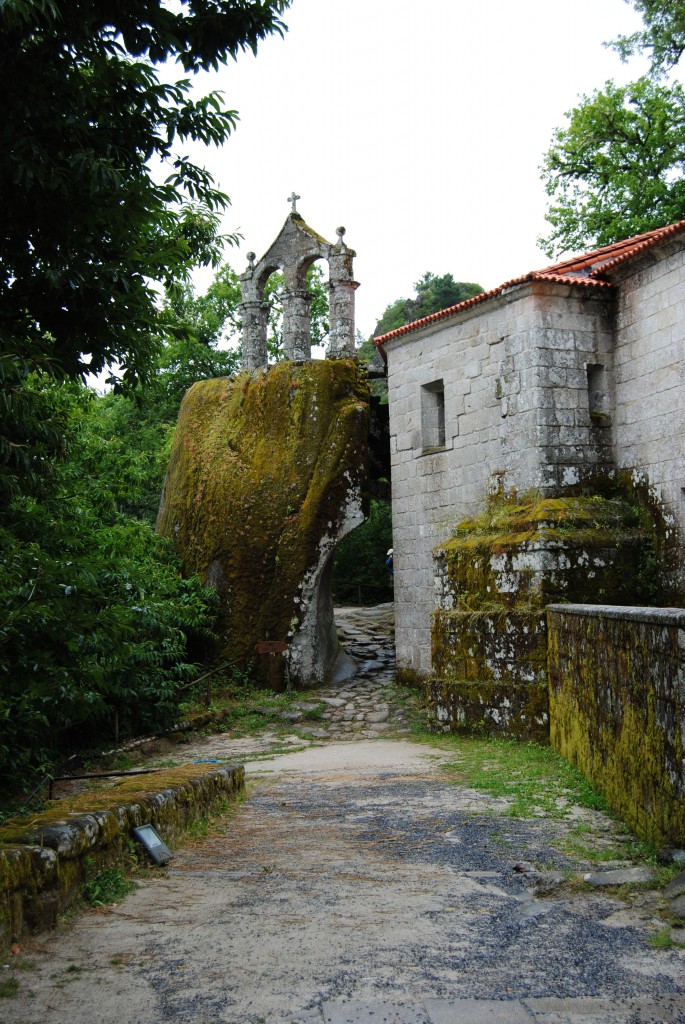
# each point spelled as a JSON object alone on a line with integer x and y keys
{"x": 589, "y": 270}
{"x": 535, "y": 275}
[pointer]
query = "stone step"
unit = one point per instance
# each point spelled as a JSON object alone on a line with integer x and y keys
{"x": 543, "y": 1010}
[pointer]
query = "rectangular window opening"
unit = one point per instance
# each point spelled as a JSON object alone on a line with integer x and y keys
{"x": 433, "y": 415}
{"x": 599, "y": 402}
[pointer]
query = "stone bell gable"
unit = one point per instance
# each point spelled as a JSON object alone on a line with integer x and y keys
{"x": 295, "y": 249}
{"x": 552, "y": 382}
{"x": 269, "y": 471}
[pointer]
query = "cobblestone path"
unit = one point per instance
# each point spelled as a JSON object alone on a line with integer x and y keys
{"x": 366, "y": 705}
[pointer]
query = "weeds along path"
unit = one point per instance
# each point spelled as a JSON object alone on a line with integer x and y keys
{"x": 367, "y": 705}
{"x": 366, "y": 882}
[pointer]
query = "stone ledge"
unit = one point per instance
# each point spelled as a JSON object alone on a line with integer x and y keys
{"x": 655, "y": 616}
{"x": 45, "y": 859}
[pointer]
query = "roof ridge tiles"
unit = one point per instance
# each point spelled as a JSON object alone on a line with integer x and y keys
{"x": 607, "y": 255}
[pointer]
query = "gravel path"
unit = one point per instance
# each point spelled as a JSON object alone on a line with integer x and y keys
{"x": 358, "y": 885}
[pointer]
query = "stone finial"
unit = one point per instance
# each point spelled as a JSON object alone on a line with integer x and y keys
{"x": 340, "y": 232}
{"x": 251, "y": 260}
{"x": 292, "y": 199}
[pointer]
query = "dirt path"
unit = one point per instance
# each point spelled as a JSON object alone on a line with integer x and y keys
{"x": 358, "y": 885}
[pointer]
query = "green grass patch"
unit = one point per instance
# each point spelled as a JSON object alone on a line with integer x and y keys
{"x": 536, "y": 782}
{"x": 663, "y": 939}
{"x": 243, "y": 710}
{"x": 276, "y": 751}
{"x": 533, "y": 779}
{"x": 9, "y": 988}
{"x": 314, "y": 714}
{"x": 621, "y": 846}
{"x": 201, "y": 827}
{"x": 109, "y": 886}
{"x": 596, "y": 854}
{"x": 214, "y": 822}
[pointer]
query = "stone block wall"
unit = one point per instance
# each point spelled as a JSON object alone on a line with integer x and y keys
{"x": 430, "y": 481}
{"x": 551, "y": 439}
{"x": 494, "y": 578}
{"x": 617, "y": 708}
{"x": 649, "y": 374}
{"x": 509, "y": 380}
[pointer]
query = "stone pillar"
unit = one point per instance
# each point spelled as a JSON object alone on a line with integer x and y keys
{"x": 342, "y": 287}
{"x": 254, "y": 315}
{"x": 297, "y": 328}
{"x": 254, "y": 312}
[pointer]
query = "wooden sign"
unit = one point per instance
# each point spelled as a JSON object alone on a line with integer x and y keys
{"x": 271, "y": 647}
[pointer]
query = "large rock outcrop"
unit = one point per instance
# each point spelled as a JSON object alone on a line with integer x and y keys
{"x": 267, "y": 473}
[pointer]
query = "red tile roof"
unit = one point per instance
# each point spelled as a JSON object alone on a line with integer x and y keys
{"x": 586, "y": 271}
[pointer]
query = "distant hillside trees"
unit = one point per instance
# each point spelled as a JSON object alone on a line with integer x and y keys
{"x": 432, "y": 294}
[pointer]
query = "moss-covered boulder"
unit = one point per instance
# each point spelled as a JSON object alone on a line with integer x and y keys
{"x": 267, "y": 473}
{"x": 495, "y": 577}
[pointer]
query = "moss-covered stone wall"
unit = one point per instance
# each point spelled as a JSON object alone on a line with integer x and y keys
{"x": 46, "y": 858}
{"x": 494, "y": 578}
{"x": 268, "y": 471}
{"x": 617, "y": 707}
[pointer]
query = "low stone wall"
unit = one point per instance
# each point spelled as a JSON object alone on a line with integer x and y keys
{"x": 488, "y": 709}
{"x": 46, "y": 859}
{"x": 617, "y": 708}
{"x": 493, "y": 580}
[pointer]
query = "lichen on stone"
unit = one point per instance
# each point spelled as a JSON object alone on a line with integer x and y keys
{"x": 501, "y": 568}
{"x": 617, "y": 707}
{"x": 46, "y": 857}
{"x": 267, "y": 473}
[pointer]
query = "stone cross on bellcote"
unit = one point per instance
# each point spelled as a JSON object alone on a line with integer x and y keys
{"x": 292, "y": 199}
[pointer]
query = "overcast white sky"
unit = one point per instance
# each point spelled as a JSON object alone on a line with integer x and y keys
{"x": 418, "y": 124}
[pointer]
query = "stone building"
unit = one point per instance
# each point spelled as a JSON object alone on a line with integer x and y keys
{"x": 545, "y": 384}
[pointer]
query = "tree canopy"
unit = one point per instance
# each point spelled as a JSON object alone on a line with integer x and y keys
{"x": 102, "y": 212}
{"x": 90, "y": 224}
{"x": 617, "y": 167}
{"x": 663, "y": 35}
{"x": 432, "y": 294}
{"x": 95, "y": 618}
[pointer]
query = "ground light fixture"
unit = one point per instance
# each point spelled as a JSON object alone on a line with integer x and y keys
{"x": 153, "y": 844}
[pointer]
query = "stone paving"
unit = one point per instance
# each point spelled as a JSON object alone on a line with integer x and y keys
{"x": 364, "y": 705}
